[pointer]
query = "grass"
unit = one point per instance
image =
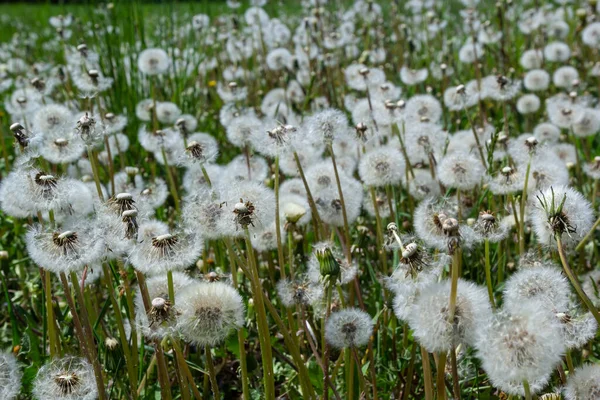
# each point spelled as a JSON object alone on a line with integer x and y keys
{"x": 39, "y": 325}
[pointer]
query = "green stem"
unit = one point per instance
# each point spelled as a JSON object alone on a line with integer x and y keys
{"x": 264, "y": 335}
{"x": 527, "y": 390}
{"x": 170, "y": 179}
{"x": 522, "y": 210}
{"x": 89, "y": 337}
{"x": 163, "y": 375}
{"x": 575, "y": 281}
{"x": 361, "y": 377}
{"x": 441, "y": 376}
{"x": 94, "y": 163}
{"x": 170, "y": 286}
{"x": 311, "y": 201}
{"x": 588, "y": 236}
{"x": 488, "y": 273}
{"x": 211, "y": 373}
{"x": 427, "y": 374}
{"x": 241, "y": 340}
{"x": 54, "y": 343}
{"x": 129, "y": 362}
{"x": 344, "y": 214}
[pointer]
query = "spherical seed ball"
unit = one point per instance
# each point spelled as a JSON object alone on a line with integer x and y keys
{"x": 429, "y": 317}
{"x": 209, "y": 312}
{"x": 546, "y": 132}
{"x": 536, "y": 80}
{"x": 584, "y": 383}
{"x": 424, "y": 106}
{"x": 528, "y": 104}
{"x": 545, "y": 285}
{"x": 10, "y": 376}
{"x": 67, "y": 378}
{"x": 525, "y": 344}
{"x": 153, "y": 62}
{"x": 564, "y": 77}
{"x": 460, "y": 170}
{"x": 557, "y": 52}
{"x": 591, "y": 35}
{"x": 157, "y": 325}
{"x": 531, "y": 59}
{"x": 381, "y": 167}
{"x": 350, "y": 327}
{"x": 573, "y": 222}
{"x": 578, "y": 330}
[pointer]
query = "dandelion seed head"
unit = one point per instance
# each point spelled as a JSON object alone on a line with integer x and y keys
{"x": 348, "y": 328}
{"x": 209, "y": 312}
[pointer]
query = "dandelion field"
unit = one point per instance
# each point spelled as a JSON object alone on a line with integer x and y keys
{"x": 320, "y": 199}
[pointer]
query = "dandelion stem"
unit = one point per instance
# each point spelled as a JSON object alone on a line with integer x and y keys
{"x": 186, "y": 370}
{"x": 361, "y": 377}
{"x": 527, "y": 390}
{"x": 94, "y": 163}
{"x": 311, "y": 201}
{"x": 241, "y": 340}
{"x": 170, "y": 179}
{"x": 163, "y": 376}
{"x": 522, "y": 209}
{"x": 476, "y": 136}
{"x": 264, "y": 335}
{"x": 569, "y": 361}
{"x": 455, "y": 379}
{"x": 428, "y": 376}
{"x": 574, "y": 280}
{"x": 211, "y": 373}
{"x": 344, "y": 214}
{"x": 441, "y": 376}
{"x": 588, "y": 236}
{"x": 280, "y": 250}
{"x": 488, "y": 273}
{"x": 325, "y": 347}
{"x": 88, "y": 334}
{"x": 52, "y": 334}
{"x": 307, "y": 387}
{"x": 129, "y": 362}
{"x": 170, "y": 287}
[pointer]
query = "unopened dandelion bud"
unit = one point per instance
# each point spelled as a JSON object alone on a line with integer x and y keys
{"x": 3, "y": 254}
{"x": 551, "y": 396}
{"x": 329, "y": 266}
